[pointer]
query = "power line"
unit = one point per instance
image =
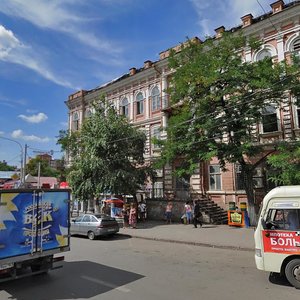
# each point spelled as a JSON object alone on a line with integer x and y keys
{"x": 266, "y": 13}
{"x": 237, "y": 104}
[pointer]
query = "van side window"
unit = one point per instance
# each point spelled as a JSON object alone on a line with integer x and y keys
{"x": 283, "y": 219}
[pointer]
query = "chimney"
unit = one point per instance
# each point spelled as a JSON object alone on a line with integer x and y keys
{"x": 277, "y": 6}
{"x": 132, "y": 71}
{"x": 164, "y": 54}
{"x": 219, "y": 31}
{"x": 147, "y": 64}
{"x": 247, "y": 20}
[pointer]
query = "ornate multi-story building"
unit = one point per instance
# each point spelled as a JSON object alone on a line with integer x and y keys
{"x": 141, "y": 96}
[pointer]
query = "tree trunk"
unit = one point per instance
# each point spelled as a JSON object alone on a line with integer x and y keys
{"x": 248, "y": 184}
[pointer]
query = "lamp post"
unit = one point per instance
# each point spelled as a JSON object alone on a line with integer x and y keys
{"x": 22, "y": 177}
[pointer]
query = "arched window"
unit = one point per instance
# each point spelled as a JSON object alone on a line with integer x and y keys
{"x": 264, "y": 53}
{"x": 155, "y": 99}
{"x": 139, "y": 103}
{"x": 296, "y": 47}
{"x": 125, "y": 107}
{"x": 88, "y": 113}
{"x": 75, "y": 121}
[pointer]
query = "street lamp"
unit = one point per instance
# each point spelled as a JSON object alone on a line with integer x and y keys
{"x": 22, "y": 177}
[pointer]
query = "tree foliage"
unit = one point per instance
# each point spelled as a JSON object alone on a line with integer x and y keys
{"x": 107, "y": 155}
{"x": 5, "y": 167}
{"x": 286, "y": 164}
{"x": 219, "y": 99}
{"x": 32, "y": 168}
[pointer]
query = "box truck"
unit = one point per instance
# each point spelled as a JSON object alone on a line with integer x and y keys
{"x": 34, "y": 228}
{"x": 277, "y": 235}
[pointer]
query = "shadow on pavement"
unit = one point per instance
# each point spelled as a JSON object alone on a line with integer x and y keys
{"x": 109, "y": 238}
{"x": 81, "y": 279}
{"x": 152, "y": 224}
{"x": 278, "y": 279}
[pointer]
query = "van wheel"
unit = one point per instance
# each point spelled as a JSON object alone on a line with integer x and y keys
{"x": 91, "y": 235}
{"x": 292, "y": 272}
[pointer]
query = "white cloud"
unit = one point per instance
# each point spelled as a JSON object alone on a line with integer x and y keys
{"x": 58, "y": 15}
{"x": 215, "y": 13}
{"x": 38, "y": 118}
{"x": 8, "y": 41}
{"x": 13, "y": 51}
{"x": 4, "y": 101}
{"x": 18, "y": 134}
{"x": 1, "y": 132}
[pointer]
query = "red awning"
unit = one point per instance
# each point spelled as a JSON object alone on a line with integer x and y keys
{"x": 64, "y": 185}
{"x": 113, "y": 200}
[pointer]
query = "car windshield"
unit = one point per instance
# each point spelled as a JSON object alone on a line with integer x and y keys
{"x": 100, "y": 216}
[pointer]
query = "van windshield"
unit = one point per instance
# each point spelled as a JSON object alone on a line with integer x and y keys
{"x": 284, "y": 219}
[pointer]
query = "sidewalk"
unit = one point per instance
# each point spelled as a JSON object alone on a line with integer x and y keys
{"x": 219, "y": 236}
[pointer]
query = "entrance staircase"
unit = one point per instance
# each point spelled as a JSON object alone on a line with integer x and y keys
{"x": 212, "y": 213}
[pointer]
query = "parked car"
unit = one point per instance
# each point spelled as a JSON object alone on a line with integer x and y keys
{"x": 94, "y": 225}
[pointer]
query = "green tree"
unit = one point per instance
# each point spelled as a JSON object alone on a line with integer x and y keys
{"x": 32, "y": 168}
{"x": 285, "y": 164}
{"x": 217, "y": 100}
{"x": 5, "y": 167}
{"x": 107, "y": 155}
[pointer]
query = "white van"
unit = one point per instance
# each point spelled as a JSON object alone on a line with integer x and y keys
{"x": 277, "y": 236}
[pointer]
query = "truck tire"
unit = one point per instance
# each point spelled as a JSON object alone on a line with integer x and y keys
{"x": 292, "y": 272}
{"x": 91, "y": 235}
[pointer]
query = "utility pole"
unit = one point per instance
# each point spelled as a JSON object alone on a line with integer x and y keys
{"x": 24, "y": 167}
{"x": 39, "y": 175}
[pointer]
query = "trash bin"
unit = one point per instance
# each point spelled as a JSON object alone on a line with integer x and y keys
{"x": 243, "y": 206}
{"x": 231, "y": 206}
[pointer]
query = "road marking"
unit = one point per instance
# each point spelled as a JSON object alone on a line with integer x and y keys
{"x": 105, "y": 283}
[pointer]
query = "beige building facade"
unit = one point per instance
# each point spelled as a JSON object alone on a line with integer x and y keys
{"x": 141, "y": 95}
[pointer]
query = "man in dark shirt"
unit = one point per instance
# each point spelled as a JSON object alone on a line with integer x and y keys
{"x": 197, "y": 214}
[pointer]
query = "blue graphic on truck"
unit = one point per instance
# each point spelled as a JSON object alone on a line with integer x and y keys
{"x": 33, "y": 222}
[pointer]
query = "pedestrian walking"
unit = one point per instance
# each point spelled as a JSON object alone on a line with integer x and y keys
{"x": 132, "y": 216}
{"x": 168, "y": 213}
{"x": 125, "y": 213}
{"x": 142, "y": 211}
{"x": 197, "y": 214}
{"x": 188, "y": 212}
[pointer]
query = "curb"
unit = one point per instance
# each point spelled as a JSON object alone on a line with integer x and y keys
{"x": 189, "y": 243}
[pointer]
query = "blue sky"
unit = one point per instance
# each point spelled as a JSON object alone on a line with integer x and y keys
{"x": 51, "y": 48}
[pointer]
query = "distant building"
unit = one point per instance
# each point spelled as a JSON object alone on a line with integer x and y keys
{"x": 53, "y": 163}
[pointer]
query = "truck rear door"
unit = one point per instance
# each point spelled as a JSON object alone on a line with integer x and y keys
{"x": 33, "y": 221}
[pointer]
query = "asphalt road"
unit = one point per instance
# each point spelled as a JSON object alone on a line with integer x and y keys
{"x": 127, "y": 268}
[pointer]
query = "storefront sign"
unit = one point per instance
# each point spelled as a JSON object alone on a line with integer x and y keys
{"x": 235, "y": 218}
{"x": 281, "y": 241}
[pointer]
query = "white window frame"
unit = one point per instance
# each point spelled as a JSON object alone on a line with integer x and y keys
{"x": 155, "y": 132}
{"x": 139, "y": 100}
{"x": 125, "y": 107}
{"x": 155, "y": 99}
{"x": 296, "y": 114}
{"x": 265, "y": 48}
{"x": 277, "y": 119}
{"x": 75, "y": 121}
{"x": 217, "y": 176}
{"x": 297, "y": 51}
{"x": 88, "y": 113}
{"x": 158, "y": 189}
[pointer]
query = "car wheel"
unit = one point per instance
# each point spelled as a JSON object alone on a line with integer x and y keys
{"x": 91, "y": 235}
{"x": 292, "y": 272}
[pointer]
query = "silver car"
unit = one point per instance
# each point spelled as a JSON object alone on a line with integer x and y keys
{"x": 94, "y": 225}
